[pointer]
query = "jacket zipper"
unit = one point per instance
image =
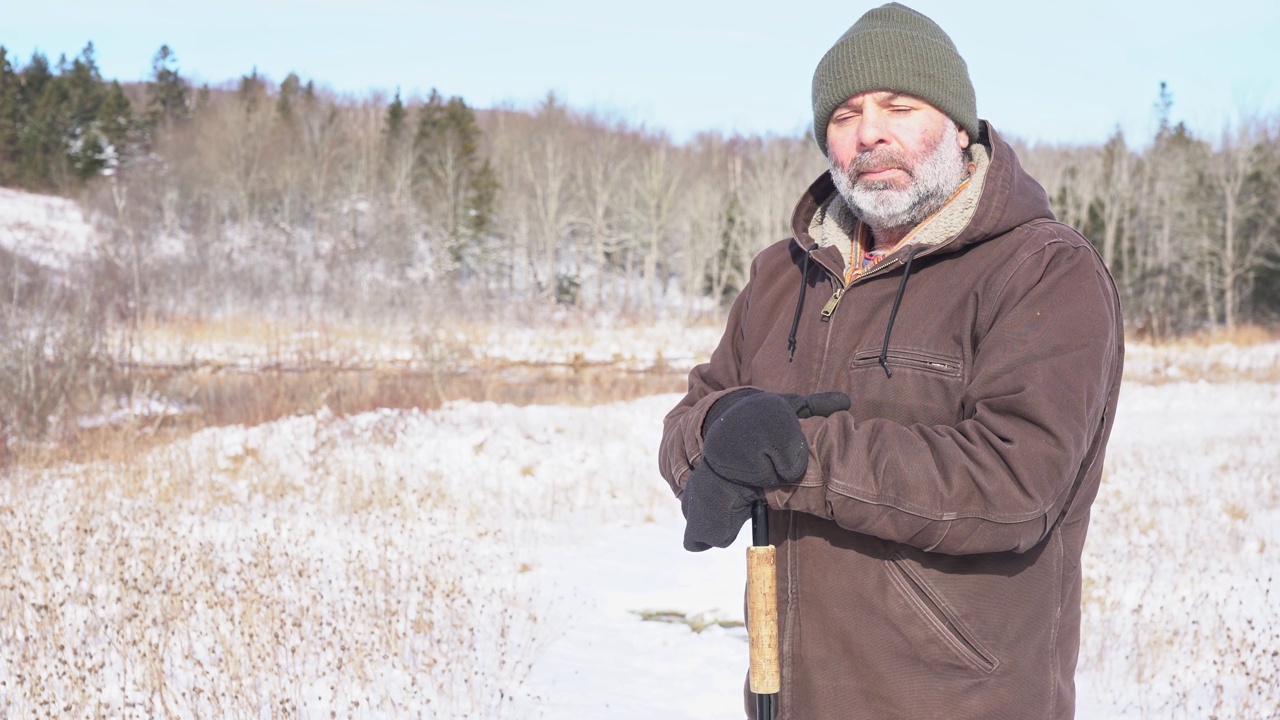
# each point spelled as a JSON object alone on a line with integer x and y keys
{"x": 830, "y": 308}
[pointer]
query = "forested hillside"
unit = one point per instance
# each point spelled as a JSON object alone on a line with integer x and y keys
{"x": 284, "y": 201}
{"x": 288, "y": 198}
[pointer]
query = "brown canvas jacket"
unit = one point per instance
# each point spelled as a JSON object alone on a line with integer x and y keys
{"x": 929, "y": 562}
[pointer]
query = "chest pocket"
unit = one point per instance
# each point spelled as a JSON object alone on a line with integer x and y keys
{"x": 921, "y": 387}
{"x": 914, "y": 360}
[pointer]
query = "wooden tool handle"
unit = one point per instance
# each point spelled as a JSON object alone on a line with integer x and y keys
{"x": 762, "y": 619}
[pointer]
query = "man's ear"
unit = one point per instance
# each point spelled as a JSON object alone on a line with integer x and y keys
{"x": 962, "y": 137}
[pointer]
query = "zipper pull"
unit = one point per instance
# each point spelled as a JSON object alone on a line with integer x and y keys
{"x": 830, "y": 307}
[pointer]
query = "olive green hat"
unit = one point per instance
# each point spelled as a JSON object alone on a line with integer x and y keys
{"x": 894, "y": 48}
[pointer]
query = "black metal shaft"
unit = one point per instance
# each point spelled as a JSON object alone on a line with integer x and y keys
{"x": 764, "y": 707}
{"x": 759, "y": 523}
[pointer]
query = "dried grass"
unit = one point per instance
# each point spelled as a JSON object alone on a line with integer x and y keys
{"x": 1241, "y": 336}
{"x": 211, "y": 577}
{"x": 1180, "y": 617}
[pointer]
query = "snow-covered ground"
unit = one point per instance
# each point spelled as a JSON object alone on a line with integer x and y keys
{"x": 45, "y": 229}
{"x": 1182, "y": 565}
{"x": 487, "y": 561}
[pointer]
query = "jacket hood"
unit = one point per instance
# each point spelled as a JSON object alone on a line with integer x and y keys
{"x": 1000, "y": 196}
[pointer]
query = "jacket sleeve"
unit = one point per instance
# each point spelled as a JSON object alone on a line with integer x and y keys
{"x": 681, "y": 446}
{"x": 1045, "y": 364}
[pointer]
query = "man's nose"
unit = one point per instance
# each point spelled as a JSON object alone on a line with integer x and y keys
{"x": 872, "y": 130}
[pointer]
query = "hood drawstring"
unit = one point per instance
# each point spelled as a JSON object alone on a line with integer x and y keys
{"x": 795, "y": 320}
{"x": 893, "y": 314}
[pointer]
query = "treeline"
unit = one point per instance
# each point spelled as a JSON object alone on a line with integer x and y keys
{"x": 1189, "y": 227}
{"x": 290, "y": 199}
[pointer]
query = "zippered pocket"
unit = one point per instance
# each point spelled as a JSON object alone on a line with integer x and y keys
{"x": 909, "y": 359}
{"x": 937, "y": 614}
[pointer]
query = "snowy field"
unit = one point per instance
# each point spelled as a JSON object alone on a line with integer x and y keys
{"x": 493, "y": 561}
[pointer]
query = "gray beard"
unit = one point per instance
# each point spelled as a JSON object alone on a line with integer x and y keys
{"x": 881, "y": 205}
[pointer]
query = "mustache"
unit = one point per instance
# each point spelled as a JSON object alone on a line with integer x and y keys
{"x": 878, "y": 160}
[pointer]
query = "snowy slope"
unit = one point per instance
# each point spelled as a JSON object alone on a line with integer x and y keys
{"x": 45, "y": 229}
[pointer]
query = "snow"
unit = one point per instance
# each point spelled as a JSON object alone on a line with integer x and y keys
{"x": 122, "y": 409}
{"x": 606, "y": 662}
{"x": 45, "y": 229}
{"x": 486, "y": 560}
{"x": 1182, "y": 555}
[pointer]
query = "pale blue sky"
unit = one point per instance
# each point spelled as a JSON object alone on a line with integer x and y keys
{"x": 1045, "y": 71}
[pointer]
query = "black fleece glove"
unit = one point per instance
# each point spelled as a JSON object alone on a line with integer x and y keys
{"x": 714, "y": 509}
{"x": 753, "y": 437}
{"x": 752, "y": 442}
{"x": 822, "y": 404}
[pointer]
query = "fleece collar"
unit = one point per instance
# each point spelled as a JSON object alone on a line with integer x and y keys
{"x": 834, "y": 224}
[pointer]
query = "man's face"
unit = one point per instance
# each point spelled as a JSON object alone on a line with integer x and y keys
{"x": 896, "y": 159}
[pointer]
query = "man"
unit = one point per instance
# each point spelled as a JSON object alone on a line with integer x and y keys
{"x": 929, "y": 537}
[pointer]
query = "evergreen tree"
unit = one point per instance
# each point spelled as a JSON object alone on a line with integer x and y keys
{"x": 395, "y": 120}
{"x": 203, "y": 98}
{"x": 10, "y": 119}
{"x": 290, "y": 90}
{"x": 35, "y": 76}
{"x": 725, "y": 275}
{"x": 457, "y": 189}
{"x": 115, "y": 121}
{"x": 58, "y": 129}
{"x": 483, "y": 194}
{"x": 1163, "y": 106}
{"x": 167, "y": 90}
{"x": 84, "y": 88}
{"x": 431, "y": 133}
{"x": 42, "y": 162}
{"x": 86, "y": 143}
{"x": 251, "y": 90}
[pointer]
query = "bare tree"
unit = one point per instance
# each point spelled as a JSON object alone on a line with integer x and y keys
{"x": 1241, "y": 239}
{"x": 51, "y": 347}
{"x": 602, "y": 171}
{"x": 548, "y": 184}
{"x": 295, "y": 200}
{"x": 654, "y": 207}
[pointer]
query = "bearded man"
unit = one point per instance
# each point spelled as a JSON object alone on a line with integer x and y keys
{"x": 929, "y": 537}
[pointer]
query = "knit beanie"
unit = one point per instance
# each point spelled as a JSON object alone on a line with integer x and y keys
{"x": 894, "y": 48}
